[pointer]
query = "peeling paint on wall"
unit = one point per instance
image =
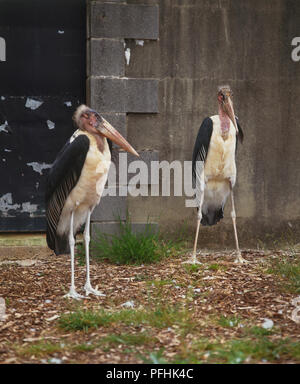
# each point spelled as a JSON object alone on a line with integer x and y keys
{"x": 32, "y": 103}
{"x": 139, "y": 42}
{"x": 29, "y": 208}
{"x": 6, "y": 204}
{"x": 127, "y": 55}
{"x": 50, "y": 124}
{"x": 3, "y": 127}
{"x": 39, "y": 167}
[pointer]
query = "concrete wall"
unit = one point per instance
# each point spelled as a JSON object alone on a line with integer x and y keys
{"x": 203, "y": 43}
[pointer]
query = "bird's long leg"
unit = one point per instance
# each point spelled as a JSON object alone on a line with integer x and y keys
{"x": 88, "y": 288}
{"x": 200, "y": 197}
{"x": 239, "y": 258}
{"x": 72, "y": 293}
{"x": 193, "y": 258}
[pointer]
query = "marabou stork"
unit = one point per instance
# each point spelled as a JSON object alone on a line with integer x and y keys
{"x": 214, "y": 168}
{"x": 75, "y": 184}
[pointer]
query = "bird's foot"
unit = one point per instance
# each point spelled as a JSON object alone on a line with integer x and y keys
{"x": 89, "y": 290}
{"x": 240, "y": 260}
{"x": 72, "y": 294}
{"x": 192, "y": 260}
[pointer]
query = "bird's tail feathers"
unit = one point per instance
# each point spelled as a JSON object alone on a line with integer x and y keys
{"x": 59, "y": 244}
{"x": 212, "y": 216}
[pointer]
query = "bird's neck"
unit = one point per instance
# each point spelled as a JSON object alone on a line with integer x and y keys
{"x": 101, "y": 142}
{"x": 225, "y": 122}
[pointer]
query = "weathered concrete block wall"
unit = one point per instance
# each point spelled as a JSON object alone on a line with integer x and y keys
{"x": 204, "y": 43}
{"x": 113, "y": 94}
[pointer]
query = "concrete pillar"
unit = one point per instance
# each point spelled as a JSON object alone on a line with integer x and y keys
{"x": 111, "y": 93}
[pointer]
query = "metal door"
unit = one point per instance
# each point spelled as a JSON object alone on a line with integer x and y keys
{"x": 42, "y": 81}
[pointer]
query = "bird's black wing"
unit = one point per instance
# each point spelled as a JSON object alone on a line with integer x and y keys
{"x": 62, "y": 178}
{"x": 202, "y": 144}
{"x": 240, "y": 135}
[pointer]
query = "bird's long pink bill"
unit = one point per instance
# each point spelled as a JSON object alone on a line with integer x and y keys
{"x": 228, "y": 106}
{"x": 111, "y": 133}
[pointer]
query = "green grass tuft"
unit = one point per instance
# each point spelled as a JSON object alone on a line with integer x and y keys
{"x": 229, "y": 322}
{"x": 289, "y": 269}
{"x": 238, "y": 351}
{"x": 84, "y": 320}
{"x": 258, "y": 331}
{"x": 135, "y": 339}
{"x": 155, "y": 357}
{"x": 129, "y": 247}
{"x": 160, "y": 317}
{"x": 216, "y": 267}
{"x": 40, "y": 349}
{"x": 193, "y": 268}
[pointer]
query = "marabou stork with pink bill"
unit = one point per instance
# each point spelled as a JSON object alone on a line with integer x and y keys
{"x": 214, "y": 167}
{"x": 75, "y": 184}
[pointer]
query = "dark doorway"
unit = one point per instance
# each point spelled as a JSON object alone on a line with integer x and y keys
{"x": 42, "y": 81}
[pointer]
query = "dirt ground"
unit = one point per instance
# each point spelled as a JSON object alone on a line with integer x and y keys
{"x": 33, "y": 289}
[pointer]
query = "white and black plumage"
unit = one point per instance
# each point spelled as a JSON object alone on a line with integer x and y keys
{"x": 214, "y": 166}
{"x": 75, "y": 184}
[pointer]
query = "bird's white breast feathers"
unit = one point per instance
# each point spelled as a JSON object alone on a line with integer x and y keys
{"x": 94, "y": 173}
{"x": 219, "y": 166}
{"x": 87, "y": 192}
{"x": 220, "y": 161}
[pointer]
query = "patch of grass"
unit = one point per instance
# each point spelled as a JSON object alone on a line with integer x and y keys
{"x": 131, "y": 339}
{"x": 45, "y": 348}
{"x": 130, "y": 247}
{"x": 155, "y": 357}
{"x": 40, "y": 349}
{"x": 126, "y": 339}
{"x": 229, "y": 322}
{"x": 238, "y": 351}
{"x": 193, "y": 268}
{"x": 258, "y": 331}
{"x": 84, "y": 320}
{"x": 84, "y": 347}
{"x": 159, "y": 283}
{"x": 159, "y": 317}
{"x": 216, "y": 267}
{"x": 141, "y": 277}
{"x": 289, "y": 269}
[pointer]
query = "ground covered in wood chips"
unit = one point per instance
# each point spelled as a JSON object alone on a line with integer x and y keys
{"x": 169, "y": 312}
